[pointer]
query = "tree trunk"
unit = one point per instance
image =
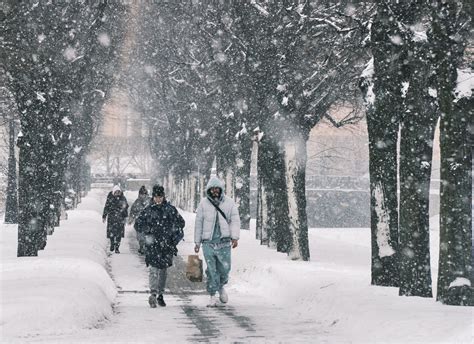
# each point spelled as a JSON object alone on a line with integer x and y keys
{"x": 295, "y": 163}
{"x": 263, "y": 226}
{"x": 455, "y": 264}
{"x": 202, "y": 188}
{"x": 455, "y": 257}
{"x": 383, "y": 201}
{"x": 28, "y": 224}
{"x": 383, "y": 190}
{"x": 11, "y": 205}
{"x": 229, "y": 179}
{"x": 416, "y": 151}
{"x": 261, "y": 205}
{"x": 242, "y": 181}
{"x": 273, "y": 184}
{"x": 382, "y": 128}
{"x": 416, "y": 148}
{"x": 260, "y": 234}
{"x": 190, "y": 192}
{"x": 169, "y": 187}
{"x": 166, "y": 185}
{"x": 181, "y": 190}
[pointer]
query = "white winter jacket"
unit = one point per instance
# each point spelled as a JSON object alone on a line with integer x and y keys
{"x": 206, "y": 217}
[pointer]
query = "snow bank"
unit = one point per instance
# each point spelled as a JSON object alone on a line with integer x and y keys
{"x": 333, "y": 290}
{"x": 66, "y": 288}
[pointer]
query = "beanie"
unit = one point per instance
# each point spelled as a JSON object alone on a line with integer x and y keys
{"x": 158, "y": 190}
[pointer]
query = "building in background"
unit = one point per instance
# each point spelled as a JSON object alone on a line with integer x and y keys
{"x": 121, "y": 147}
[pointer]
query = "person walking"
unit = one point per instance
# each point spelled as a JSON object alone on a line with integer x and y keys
{"x": 115, "y": 213}
{"x": 217, "y": 228}
{"x": 137, "y": 207}
{"x": 163, "y": 228}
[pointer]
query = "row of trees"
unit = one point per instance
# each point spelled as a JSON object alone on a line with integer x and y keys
{"x": 210, "y": 79}
{"x": 60, "y": 60}
{"x": 411, "y": 83}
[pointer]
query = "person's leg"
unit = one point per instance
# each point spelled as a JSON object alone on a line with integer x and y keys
{"x": 154, "y": 279}
{"x": 112, "y": 244}
{"x": 211, "y": 272}
{"x": 118, "y": 238}
{"x": 141, "y": 242}
{"x": 223, "y": 265}
{"x": 154, "y": 285}
{"x": 163, "y": 273}
{"x": 161, "y": 286}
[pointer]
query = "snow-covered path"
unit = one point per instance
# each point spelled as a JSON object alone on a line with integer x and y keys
{"x": 186, "y": 317}
{"x": 181, "y": 321}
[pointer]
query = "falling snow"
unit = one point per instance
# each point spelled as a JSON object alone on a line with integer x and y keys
{"x": 349, "y": 178}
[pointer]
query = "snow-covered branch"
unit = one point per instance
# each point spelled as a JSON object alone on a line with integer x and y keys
{"x": 332, "y": 24}
{"x": 260, "y": 8}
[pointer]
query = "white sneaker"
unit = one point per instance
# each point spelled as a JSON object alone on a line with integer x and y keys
{"x": 212, "y": 301}
{"x": 223, "y": 297}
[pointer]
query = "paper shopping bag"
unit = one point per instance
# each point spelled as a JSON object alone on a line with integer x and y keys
{"x": 194, "y": 268}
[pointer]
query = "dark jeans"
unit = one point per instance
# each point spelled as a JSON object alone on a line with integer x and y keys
{"x": 115, "y": 241}
{"x": 157, "y": 280}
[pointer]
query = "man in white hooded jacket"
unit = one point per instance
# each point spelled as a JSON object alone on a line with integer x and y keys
{"x": 217, "y": 228}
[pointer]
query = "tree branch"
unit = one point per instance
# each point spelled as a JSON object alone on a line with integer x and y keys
{"x": 349, "y": 119}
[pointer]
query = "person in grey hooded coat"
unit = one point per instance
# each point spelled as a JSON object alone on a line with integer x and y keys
{"x": 140, "y": 203}
{"x": 217, "y": 229}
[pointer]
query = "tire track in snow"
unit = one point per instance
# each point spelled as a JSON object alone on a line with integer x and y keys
{"x": 205, "y": 318}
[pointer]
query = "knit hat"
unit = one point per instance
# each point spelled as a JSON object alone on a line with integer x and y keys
{"x": 158, "y": 190}
{"x": 116, "y": 188}
{"x": 143, "y": 190}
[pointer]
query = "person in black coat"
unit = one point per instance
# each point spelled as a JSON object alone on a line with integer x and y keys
{"x": 163, "y": 228}
{"x": 115, "y": 213}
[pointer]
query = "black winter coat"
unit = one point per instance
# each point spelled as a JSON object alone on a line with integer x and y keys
{"x": 163, "y": 227}
{"x": 116, "y": 211}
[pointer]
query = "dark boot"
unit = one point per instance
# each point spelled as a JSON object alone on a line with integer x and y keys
{"x": 117, "y": 244}
{"x": 112, "y": 246}
{"x": 161, "y": 302}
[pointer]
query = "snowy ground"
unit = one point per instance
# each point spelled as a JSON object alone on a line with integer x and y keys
{"x": 75, "y": 292}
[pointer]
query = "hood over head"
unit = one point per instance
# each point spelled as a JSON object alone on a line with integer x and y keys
{"x": 116, "y": 188}
{"x": 215, "y": 182}
{"x": 143, "y": 191}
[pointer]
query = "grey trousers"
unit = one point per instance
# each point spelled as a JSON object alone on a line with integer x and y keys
{"x": 141, "y": 240}
{"x": 157, "y": 280}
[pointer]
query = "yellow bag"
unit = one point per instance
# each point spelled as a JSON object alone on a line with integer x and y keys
{"x": 194, "y": 268}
